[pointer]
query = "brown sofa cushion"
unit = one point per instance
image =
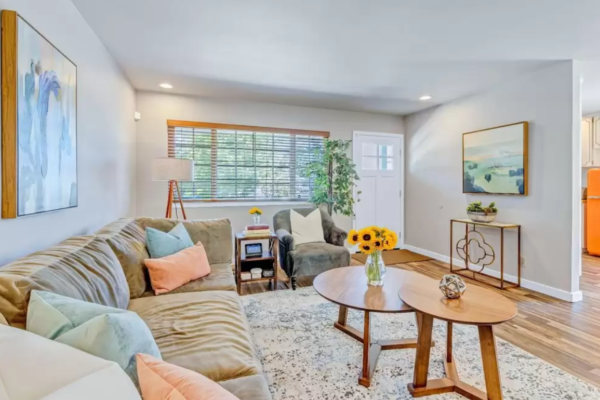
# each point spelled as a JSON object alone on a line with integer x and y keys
{"x": 216, "y": 235}
{"x": 206, "y": 332}
{"x": 127, "y": 239}
{"x": 220, "y": 278}
{"x": 83, "y": 267}
{"x": 248, "y": 388}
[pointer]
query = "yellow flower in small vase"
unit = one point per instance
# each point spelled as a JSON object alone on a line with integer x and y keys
{"x": 256, "y": 213}
{"x": 353, "y": 237}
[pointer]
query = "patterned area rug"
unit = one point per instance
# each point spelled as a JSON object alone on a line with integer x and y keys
{"x": 304, "y": 357}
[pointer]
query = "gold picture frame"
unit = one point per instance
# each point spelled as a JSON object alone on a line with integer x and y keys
{"x": 39, "y": 122}
{"x": 495, "y": 160}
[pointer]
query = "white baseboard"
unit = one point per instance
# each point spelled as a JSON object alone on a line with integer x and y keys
{"x": 572, "y": 297}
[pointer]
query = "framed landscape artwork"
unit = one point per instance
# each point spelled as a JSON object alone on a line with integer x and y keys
{"x": 39, "y": 122}
{"x": 495, "y": 160}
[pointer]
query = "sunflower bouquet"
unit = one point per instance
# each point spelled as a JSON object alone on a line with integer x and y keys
{"x": 372, "y": 241}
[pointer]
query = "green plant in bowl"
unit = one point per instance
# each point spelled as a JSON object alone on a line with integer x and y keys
{"x": 478, "y": 213}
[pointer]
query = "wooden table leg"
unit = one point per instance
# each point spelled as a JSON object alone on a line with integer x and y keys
{"x": 420, "y": 385}
{"x": 371, "y": 348}
{"x": 490, "y": 363}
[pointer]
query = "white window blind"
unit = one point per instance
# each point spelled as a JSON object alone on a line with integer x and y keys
{"x": 233, "y": 162}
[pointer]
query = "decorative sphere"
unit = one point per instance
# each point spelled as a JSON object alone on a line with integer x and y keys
{"x": 452, "y": 286}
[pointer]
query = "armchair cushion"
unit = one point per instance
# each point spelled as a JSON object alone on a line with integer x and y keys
{"x": 314, "y": 258}
{"x": 307, "y": 229}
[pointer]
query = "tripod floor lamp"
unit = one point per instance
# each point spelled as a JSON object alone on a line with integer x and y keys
{"x": 173, "y": 170}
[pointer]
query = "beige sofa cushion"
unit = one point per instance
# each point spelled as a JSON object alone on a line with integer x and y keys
{"x": 248, "y": 388}
{"x": 33, "y": 367}
{"x": 83, "y": 267}
{"x": 206, "y": 332}
{"x": 216, "y": 235}
{"x": 220, "y": 278}
{"x": 127, "y": 239}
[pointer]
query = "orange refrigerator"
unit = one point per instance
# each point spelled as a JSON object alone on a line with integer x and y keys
{"x": 593, "y": 212}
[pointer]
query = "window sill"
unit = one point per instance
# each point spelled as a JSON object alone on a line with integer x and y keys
{"x": 214, "y": 204}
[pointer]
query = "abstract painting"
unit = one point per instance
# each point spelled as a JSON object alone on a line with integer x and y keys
{"x": 46, "y": 128}
{"x": 495, "y": 160}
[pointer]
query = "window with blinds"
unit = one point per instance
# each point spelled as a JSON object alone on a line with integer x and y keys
{"x": 233, "y": 162}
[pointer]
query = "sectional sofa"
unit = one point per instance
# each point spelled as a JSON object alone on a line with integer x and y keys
{"x": 200, "y": 326}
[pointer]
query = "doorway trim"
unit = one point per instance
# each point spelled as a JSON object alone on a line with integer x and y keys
{"x": 402, "y": 177}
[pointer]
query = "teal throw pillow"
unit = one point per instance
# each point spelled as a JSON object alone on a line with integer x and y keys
{"x": 109, "y": 333}
{"x": 161, "y": 244}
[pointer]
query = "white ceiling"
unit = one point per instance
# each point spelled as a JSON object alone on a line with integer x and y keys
{"x": 364, "y": 55}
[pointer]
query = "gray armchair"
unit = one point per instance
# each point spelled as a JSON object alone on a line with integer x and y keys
{"x": 310, "y": 258}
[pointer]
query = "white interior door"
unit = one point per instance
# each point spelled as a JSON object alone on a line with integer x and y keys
{"x": 378, "y": 194}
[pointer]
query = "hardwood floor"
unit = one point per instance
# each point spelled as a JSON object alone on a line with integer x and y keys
{"x": 564, "y": 334}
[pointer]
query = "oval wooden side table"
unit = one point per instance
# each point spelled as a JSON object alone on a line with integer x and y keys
{"x": 347, "y": 286}
{"x": 478, "y": 306}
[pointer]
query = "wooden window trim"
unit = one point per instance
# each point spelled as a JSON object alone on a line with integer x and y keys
{"x": 212, "y": 125}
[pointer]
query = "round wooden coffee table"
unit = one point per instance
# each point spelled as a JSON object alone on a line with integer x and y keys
{"x": 478, "y": 306}
{"x": 348, "y": 287}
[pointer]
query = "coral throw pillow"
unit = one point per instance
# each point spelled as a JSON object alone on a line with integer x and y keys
{"x": 160, "y": 380}
{"x": 170, "y": 272}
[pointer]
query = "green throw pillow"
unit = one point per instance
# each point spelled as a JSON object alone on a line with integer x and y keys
{"x": 161, "y": 244}
{"x": 106, "y": 332}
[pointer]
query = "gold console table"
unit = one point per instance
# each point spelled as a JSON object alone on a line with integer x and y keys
{"x": 489, "y": 254}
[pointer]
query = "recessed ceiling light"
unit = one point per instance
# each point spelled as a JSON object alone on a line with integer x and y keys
{"x": 166, "y": 86}
{"x": 425, "y": 97}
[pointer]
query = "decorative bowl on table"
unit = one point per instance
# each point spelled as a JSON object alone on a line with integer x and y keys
{"x": 478, "y": 213}
{"x": 481, "y": 216}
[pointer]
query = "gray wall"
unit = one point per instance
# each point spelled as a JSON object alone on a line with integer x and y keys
{"x": 106, "y": 134}
{"x": 434, "y": 173}
{"x": 157, "y": 108}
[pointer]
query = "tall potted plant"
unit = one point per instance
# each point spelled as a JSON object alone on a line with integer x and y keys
{"x": 333, "y": 177}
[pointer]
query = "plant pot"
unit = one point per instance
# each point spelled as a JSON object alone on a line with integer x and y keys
{"x": 481, "y": 217}
{"x": 256, "y": 219}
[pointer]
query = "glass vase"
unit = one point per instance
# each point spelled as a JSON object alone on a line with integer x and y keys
{"x": 256, "y": 219}
{"x": 375, "y": 268}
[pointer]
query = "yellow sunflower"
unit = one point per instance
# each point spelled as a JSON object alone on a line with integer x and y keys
{"x": 379, "y": 244}
{"x": 391, "y": 240}
{"x": 367, "y": 235}
{"x": 353, "y": 237}
{"x": 366, "y": 248}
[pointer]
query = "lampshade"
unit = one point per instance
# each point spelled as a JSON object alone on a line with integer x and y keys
{"x": 172, "y": 169}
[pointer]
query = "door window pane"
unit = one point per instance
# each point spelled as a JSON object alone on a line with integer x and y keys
{"x": 386, "y": 164}
{"x": 369, "y": 162}
{"x": 386, "y": 150}
{"x": 369, "y": 149}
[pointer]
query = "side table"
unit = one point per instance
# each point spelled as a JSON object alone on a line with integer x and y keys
{"x": 478, "y": 306}
{"x": 473, "y": 235}
{"x": 243, "y": 263}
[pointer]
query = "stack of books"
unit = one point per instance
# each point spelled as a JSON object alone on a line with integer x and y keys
{"x": 257, "y": 230}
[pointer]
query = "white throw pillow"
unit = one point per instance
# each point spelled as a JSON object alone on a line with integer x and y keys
{"x": 33, "y": 367}
{"x": 307, "y": 229}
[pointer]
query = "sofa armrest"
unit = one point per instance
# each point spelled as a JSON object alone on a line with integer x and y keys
{"x": 337, "y": 236}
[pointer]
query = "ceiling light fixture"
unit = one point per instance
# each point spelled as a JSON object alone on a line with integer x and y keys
{"x": 166, "y": 86}
{"x": 425, "y": 97}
